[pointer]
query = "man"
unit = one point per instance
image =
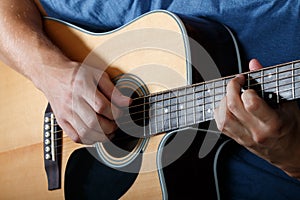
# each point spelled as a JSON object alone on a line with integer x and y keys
{"x": 267, "y": 30}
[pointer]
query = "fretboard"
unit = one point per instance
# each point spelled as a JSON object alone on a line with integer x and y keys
{"x": 193, "y": 104}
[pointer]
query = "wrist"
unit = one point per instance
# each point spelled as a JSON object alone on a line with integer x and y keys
{"x": 52, "y": 74}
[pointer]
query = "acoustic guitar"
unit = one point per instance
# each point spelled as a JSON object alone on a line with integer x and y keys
{"x": 176, "y": 69}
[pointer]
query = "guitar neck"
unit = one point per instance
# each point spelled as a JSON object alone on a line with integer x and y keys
{"x": 193, "y": 104}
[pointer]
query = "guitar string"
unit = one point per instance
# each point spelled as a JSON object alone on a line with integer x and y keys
{"x": 205, "y": 97}
{"x": 215, "y": 88}
{"x": 255, "y": 78}
{"x": 59, "y": 138}
{"x": 175, "y": 112}
{"x": 206, "y": 89}
{"x": 65, "y": 143}
{"x": 190, "y": 107}
{"x": 68, "y": 144}
{"x": 175, "y": 116}
{"x": 230, "y": 77}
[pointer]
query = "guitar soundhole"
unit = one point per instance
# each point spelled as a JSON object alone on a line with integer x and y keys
{"x": 132, "y": 123}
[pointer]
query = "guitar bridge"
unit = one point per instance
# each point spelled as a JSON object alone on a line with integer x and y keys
{"x": 52, "y": 149}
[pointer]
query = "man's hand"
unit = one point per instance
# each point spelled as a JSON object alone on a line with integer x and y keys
{"x": 84, "y": 100}
{"x": 272, "y": 134}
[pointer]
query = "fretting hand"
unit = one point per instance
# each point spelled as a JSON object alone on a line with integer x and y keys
{"x": 272, "y": 134}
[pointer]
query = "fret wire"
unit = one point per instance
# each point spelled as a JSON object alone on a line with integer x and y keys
{"x": 293, "y": 81}
{"x": 150, "y": 118}
{"x": 194, "y": 104}
{"x": 277, "y": 84}
{"x": 248, "y": 84}
{"x": 177, "y": 105}
{"x": 214, "y": 96}
{"x": 203, "y": 107}
{"x": 155, "y": 113}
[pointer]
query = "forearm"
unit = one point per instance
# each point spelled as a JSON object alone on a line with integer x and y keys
{"x": 23, "y": 44}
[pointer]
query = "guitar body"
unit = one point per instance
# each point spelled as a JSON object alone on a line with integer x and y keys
{"x": 156, "y": 52}
{"x": 22, "y": 173}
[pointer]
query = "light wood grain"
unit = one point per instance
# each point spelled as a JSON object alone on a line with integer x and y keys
{"x": 22, "y": 174}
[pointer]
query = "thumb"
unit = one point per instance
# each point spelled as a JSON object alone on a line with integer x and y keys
{"x": 254, "y": 64}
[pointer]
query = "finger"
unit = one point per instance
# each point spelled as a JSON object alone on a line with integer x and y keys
{"x": 96, "y": 121}
{"x": 87, "y": 134}
{"x": 220, "y": 114}
{"x": 233, "y": 98}
{"x": 111, "y": 92}
{"x": 108, "y": 126}
{"x": 99, "y": 103}
{"x": 96, "y": 88}
{"x": 62, "y": 119}
{"x": 228, "y": 124}
{"x": 254, "y": 64}
{"x": 256, "y": 106}
{"x": 104, "y": 107}
{"x": 70, "y": 131}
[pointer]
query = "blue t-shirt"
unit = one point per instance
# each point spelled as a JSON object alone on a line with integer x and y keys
{"x": 266, "y": 29}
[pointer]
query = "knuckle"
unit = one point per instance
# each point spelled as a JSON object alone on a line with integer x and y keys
{"x": 224, "y": 123}
{"x": 259, "y": 139}
{"x": 259, "y": 136}
{"x": 252, "y": 106}
{"x": 75, "y": 138}
{"x": 228, "y": 119}
{"x": 91, "y": 123}
{"x": 83, "y": 133}
{"x": 232, "y": 106}
{"x": 231, "y": 83}
{"x": 251, "y": 102}
{"x": 99, "y": 106}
